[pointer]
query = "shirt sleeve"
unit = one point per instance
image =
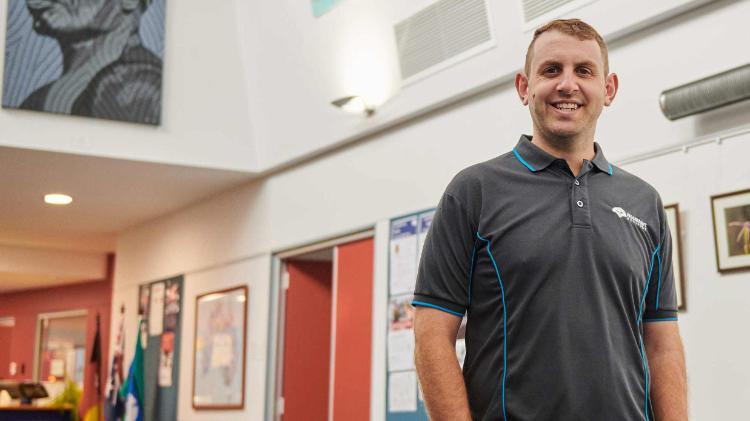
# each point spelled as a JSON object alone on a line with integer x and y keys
{"x": 661, "y": 298}
{"x": 447, "y": 258}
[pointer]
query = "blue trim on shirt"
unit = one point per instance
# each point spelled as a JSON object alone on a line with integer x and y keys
{"x": 471, "y": 271}
{"x": 640, "y": 337}
{"x": 423, "y": 304}
{"x": 505, "y": 313}
{"x": 525, "y": 164}
{"x": 666, "y": 319}
{"x": 658, "y": 285}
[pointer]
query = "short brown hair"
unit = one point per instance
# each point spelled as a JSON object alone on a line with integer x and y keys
{"x": 574, "y": 27}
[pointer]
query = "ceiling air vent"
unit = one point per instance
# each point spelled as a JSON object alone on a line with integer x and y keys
{"x": 440, "y": 35}
{"x": 538, "y": 12}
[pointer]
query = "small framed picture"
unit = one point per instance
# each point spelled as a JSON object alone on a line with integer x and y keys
{"x": 731, "y": 217}
{"x": 673, "y": 219}
{"x": 219, "y": 355}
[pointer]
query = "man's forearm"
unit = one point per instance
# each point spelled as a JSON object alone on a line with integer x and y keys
{"x": 669, "y": 386}
{"x": 441, "y": 380}
{"x": 666, "y": 360}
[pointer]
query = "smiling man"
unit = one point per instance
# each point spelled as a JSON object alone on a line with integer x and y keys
{"x": 107, "y": 72}
{"x": 560, "y": 261}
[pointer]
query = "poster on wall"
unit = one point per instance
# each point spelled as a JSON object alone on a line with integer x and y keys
{"x": 403, "y": 255}
{"x": 401, "y": 334}
{"x": 95, "y": 58}
{"x": 219, "y": 353}
{"x": 731, "y": 220}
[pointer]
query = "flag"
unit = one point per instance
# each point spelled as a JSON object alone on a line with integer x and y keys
{"x": 133, "y": 388}
{"x": 115, "y": 404}
{"x": 92, "y": 414}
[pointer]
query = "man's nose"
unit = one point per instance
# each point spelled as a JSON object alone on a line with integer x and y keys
{"x": 567, "y": 83}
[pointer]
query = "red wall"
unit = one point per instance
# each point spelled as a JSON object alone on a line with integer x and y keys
{"x": 24, "y": 306}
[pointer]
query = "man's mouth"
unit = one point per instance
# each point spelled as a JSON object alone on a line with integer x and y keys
{"x": 567, "y": 107}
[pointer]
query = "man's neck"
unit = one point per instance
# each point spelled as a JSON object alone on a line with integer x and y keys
{"x": 572, "y": 150}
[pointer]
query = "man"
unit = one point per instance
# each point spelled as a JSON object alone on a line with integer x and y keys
{"x": 561, "y": 262}
{"x": 106, "y": 70}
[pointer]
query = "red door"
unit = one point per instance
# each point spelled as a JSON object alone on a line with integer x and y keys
{"x": 352, "y": 364}
{"x": 307, "y": 341}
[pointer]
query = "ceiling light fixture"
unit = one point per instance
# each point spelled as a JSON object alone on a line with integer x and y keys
{"x": 57, "y": 199}
{"x": 354, "y": 104}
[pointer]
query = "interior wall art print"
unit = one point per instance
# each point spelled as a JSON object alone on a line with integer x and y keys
{"x": 93, "y": 58}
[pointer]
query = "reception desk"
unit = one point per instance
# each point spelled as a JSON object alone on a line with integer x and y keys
{"x": 34, "y": 413}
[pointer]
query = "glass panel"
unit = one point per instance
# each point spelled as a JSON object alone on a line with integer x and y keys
{"x": 62, "y": 350}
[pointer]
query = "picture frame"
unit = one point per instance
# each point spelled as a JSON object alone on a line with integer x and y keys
{"x": 219, "y": 349}
{"x": 678, "y": 269}
{"x": 731, "y": 221}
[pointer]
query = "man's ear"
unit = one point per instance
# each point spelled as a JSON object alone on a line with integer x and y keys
{"x": 610, "y": 88}
{"x": 522, "y": 87}
{"x": 130, "y": 5}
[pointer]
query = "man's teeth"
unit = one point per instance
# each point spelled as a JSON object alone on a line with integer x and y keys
{"x": 566, "y": 107}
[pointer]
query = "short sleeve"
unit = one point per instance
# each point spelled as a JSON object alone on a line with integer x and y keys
{"x": 447, "y": 258}
{"x": 661, "y": 298}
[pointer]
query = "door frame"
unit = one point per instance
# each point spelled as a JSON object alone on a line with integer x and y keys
{"x": 277, "y": 312}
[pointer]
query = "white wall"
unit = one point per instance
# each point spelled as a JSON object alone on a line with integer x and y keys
{"x": 406, "y": 168}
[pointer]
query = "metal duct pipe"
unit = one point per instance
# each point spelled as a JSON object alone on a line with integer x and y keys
{"x": 706, "y": 94}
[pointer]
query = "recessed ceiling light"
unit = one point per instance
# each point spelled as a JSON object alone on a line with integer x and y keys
{"x": 57, "y": 199}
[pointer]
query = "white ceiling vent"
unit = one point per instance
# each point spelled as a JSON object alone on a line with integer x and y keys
{"x": 538, "y": 12}
{"x": 440, "y": 35}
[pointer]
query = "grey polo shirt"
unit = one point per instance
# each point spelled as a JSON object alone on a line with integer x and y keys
{"x": 556, "y": 275}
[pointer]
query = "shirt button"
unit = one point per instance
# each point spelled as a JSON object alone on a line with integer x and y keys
{"x": 579, "y": 203}
{"x": 577, "y": 183}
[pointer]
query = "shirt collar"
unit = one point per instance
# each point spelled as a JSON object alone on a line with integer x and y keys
{"x": 535, "y": 159}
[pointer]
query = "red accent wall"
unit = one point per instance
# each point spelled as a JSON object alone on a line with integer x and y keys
{"x": 5, "y": 337}
{"x": 307, "y": 341}
{"x": 24, "y": 306}
{"x": 351, "y": 389}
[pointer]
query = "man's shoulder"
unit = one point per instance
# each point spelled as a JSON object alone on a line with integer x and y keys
{"x": 633, "y": 182}
{"x": 474, "y": 176}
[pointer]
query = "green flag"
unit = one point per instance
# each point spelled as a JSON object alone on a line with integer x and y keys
{"x": 132, "y": 390}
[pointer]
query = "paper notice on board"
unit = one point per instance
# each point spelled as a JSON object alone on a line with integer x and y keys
{"x": 401, "y": 350}
{"x": 403, "y": 255}
{"x": 402, "y": 392}
{"x": 425, "y": 220}
{"x": 156, "y": 309}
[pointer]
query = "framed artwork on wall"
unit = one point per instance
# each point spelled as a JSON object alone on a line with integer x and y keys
{"x": 673, "y": 219}
{"x": 98, "y": 59}
{"x": 219, "y": 349}
{"x": 731, "y": 219}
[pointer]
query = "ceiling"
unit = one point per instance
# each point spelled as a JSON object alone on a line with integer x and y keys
{"x": 109, "y": 196}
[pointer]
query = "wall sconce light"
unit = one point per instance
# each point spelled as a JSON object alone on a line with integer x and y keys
{"x": 354, "y": 104}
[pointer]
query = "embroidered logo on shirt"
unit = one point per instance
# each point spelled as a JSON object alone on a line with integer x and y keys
{"x": 621, "y": 213}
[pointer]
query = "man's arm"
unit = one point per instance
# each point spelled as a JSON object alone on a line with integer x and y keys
{"x": 666, "y": 362}
{"x": 437, "y": 365}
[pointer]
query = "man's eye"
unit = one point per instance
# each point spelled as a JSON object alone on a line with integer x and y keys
{"x": 551, "y": 69}
{"x": 584, "y": 70}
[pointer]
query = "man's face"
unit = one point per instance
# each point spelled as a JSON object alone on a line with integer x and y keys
{"x": 72, "y": 17}
{"x": 566, "y": 88}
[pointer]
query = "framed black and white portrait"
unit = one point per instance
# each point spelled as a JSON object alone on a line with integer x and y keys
{"x": 93, "y": 58}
